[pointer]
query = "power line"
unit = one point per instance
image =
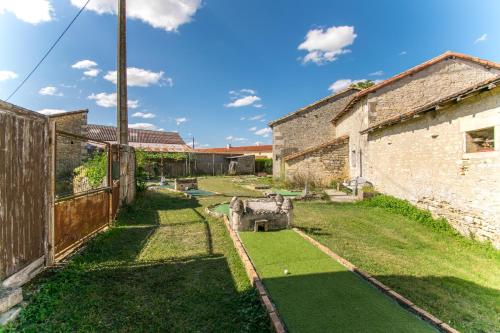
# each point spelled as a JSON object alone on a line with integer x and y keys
{"x": 48, "y": 52}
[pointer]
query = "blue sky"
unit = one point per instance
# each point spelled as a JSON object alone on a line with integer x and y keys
{"x": 219, "y": 70}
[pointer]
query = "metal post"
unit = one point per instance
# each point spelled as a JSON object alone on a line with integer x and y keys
{"x": 121, "y": 87}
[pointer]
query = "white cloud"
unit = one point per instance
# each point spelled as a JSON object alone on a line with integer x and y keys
{"x": 93, "y": 72}
{"x": 138, "y": 77}
{"x": 264, "y": 132}
{"x": 325, "y": 45}
{"x": 89, "y": 66}
{"x": 258, "y": 143}
{"x": 402, "y": 53}
{"x": 342, "y": 84}
{"x": 163, "y": 14}
{"x": 50, "y": 91}
{"x": 144, "y": 115}
{"x": 49, "y": 112}
{"x": 109, "y": 100}
{"x": 144, "y": 126}
{"x": 243, "y": 97}
{"x": 30, "y": 11}
{"x": 482, "y": 38}
{"x": 253, "y": 129}
{"x": 84, "y": 64}
{"x": 234, "y": 138}
{"x": 7, "y": 75}
{"x": 243, "y": 101}
{"x": 247, "y": 91}
{"x": 257, "y": 117}
{"x": 180, "y": 120}
{"x": 377, "y": 73}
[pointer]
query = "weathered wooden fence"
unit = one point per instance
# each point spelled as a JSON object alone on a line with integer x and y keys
{"x": 24, "y": 189}
{"x": 45, "y": 212}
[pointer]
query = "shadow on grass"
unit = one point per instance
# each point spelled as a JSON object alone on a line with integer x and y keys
{"x": 335, "y": 301}
{"x": 453, "y": 300}
{"x": 314, "y": 231}
{"x": 136, "y": 277}
{"x": 192, "y": 295}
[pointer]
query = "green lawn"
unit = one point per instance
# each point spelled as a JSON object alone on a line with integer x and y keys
{"x": 165, "y": 267}
{"x": 452, "y": 278}
{"x": 319, "y": 294}
{"x": 226, "y": 186}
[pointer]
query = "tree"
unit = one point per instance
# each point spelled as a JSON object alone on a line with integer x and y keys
{"x": 363, "y": 84}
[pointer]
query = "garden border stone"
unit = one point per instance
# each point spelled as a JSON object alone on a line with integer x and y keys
{"x": 276, "y": 321}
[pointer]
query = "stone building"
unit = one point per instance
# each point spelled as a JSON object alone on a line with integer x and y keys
{"x": 430, "y": 135}
{"x": 70, "y": 153}
{"x": 305, "y": 128}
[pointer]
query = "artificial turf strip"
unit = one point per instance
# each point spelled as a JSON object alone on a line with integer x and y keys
{"x": 286, "y": 193}
{"x": 319, "y": 294}
{"x": 222, "y": 209}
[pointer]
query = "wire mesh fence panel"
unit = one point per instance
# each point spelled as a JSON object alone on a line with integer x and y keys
{"x": 81, "y": 165}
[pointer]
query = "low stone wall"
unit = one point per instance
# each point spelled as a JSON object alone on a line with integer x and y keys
{"x": 320, "y": 165}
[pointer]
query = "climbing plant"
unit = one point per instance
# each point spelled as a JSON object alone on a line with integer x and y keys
{"x": 94, "y": 169}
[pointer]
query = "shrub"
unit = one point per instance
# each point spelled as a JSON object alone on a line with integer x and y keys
{"x": 406, "y": 209}
{"x": 94, "y": 169}
{"x": 264, "y": 165}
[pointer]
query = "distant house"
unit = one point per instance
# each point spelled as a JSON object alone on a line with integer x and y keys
{"x": 307, "y": 127}
{"x": 75, "y": 122}
{"x": 152, "y": 141}
{"x": 430, "y": 135}
{"x": 262, "y": 151}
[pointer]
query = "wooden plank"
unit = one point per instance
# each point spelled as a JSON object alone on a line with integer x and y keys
{"x": 22, "y": 194}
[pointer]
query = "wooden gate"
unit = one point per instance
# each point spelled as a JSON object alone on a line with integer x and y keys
{"x": 81, "y": 208}
{"x": 24, "y": 187}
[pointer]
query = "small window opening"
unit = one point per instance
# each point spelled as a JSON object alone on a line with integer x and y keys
{"x": 261, "y": 228}
{"x": 480, "y": 140}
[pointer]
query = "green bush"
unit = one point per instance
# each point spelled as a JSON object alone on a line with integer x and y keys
{"x": 406, "y": 209}
{"x": 95, "y": 169}
{"x": 264, "y": 165}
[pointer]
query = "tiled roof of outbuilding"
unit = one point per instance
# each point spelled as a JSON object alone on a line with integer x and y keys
{"x": 313, "y": 105}
{"x": 312, "y": 149}
{"x": 239, "y": 150}
{"x": 108, "y": 133}
{"x": 434, "y": 105}
{"x": 411, "y": 71}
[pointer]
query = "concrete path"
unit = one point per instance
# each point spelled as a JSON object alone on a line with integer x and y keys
{"x": 338, "y": 196}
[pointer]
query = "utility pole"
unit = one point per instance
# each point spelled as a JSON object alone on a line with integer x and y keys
{"x": 121, "y": 86}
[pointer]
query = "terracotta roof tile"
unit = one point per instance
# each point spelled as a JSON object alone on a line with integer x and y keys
{"x": 108, "y": 133}
{"x": 487, "y": 84}
{"x": 238, "y": 150}
{"x": 312, "y": 149}
{"x": 411, "y": 71}
{"x": 312, "y": 105}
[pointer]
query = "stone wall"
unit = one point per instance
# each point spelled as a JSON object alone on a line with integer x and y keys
{"x": 69, "y": 152}
{"x": 306, "y": 128}
{"x": 437, "y": 81}
{"x": 320, "y": 166}
{"x": 350, "y": 125}
{"x": 424, "y": 161}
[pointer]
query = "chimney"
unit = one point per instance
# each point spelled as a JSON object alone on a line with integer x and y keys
{"x": 228, "y": 146}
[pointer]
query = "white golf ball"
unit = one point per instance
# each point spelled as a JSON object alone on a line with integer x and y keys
{"x": 285, "y": 271}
